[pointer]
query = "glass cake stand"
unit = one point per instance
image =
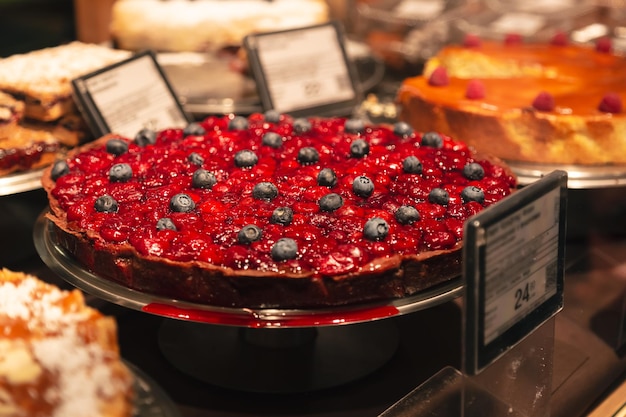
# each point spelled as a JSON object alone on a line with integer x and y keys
{"x": 257, "y": 350}
{"x": 150, "y": 399}
{"x": 579, "y": 176}
{"x": 20, "y": 182}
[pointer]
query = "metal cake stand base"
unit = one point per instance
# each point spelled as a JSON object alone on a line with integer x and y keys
{"x": 278, "y": 360}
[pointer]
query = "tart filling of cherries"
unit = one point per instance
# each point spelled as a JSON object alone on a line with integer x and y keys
{"x": 270, "y": 195}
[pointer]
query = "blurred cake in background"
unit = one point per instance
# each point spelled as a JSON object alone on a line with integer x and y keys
{"x": 404, "y": 33}
{"x": 206, "y": 25}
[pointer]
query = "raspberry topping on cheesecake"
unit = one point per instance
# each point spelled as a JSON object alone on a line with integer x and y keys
{"x": 610, "y": 103}
{"x": 439, "y": 77}
{"x": 319, "y": 198}
{"x": 544, "y": 101}
{"x": 475, "y": 90}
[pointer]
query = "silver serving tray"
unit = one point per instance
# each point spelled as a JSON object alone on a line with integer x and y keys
{"x": 20, "y": 182}
{"x": 579, "y": 176}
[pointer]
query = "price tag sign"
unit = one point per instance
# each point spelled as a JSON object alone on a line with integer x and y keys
{"x": 303, "y": 71}
{"x": 128, "y": 96}
{"x": 513, "y": 268}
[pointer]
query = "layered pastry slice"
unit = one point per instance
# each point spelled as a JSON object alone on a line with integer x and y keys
{"x": 42, "y": 78}
{"x": 11, "y": 112}
{"x": 38, "y": 116}
{"x": 22, "y": 148}
{"x": 58, "y": 357}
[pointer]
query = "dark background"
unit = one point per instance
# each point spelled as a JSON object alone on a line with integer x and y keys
{"x": 26, "y": 25}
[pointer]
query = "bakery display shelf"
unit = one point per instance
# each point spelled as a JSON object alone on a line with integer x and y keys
{"x": 579, "y": 176}
{"x": 20, "y": 182}
{"x": 64, "y": 265}
{"x": 150, "y": 399}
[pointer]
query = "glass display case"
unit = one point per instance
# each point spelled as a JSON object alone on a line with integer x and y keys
{"x": 241, "y": 363}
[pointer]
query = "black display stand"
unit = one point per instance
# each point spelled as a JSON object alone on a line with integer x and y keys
{"x": 278, "y": 360}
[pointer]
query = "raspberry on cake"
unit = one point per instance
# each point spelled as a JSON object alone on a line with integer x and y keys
{"x": 22, "y": 148}
{"x": 551, "y": 103}
{"x": 58, "y": 357}
{"x": 272, "y": 211}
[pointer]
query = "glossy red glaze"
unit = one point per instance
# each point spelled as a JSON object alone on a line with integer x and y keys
{"x": 249, "y": 318}
{"x": 329, "y": 243}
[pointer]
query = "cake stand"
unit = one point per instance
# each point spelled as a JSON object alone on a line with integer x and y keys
{"x": 150, "y": 399}
{"x": 257, "y": 350}
{"x": 20, "y": 182}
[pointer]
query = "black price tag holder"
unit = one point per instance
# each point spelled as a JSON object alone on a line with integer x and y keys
{"x": 513, "y": 269}
{"x": 304, "y": 71}
{"x": 128, "y": 96}
{"x": 514, "y": 259}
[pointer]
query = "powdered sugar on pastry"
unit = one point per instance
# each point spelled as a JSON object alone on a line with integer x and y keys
{"x": 46, "y": 74}
{"x": 58, "y": 357}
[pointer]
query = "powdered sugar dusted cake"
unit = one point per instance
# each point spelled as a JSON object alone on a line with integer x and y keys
{"x": 58, "y": 357}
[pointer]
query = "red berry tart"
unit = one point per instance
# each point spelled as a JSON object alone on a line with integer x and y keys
{"x": 270, "y": 211}
{"x": 556, "y": 103}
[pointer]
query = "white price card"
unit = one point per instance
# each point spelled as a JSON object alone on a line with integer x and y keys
{"x": 129, "y": 96}
{"x": 521, "y": 256}
{"x": 513, "y": 268}
{"x": 303, "y": 70}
